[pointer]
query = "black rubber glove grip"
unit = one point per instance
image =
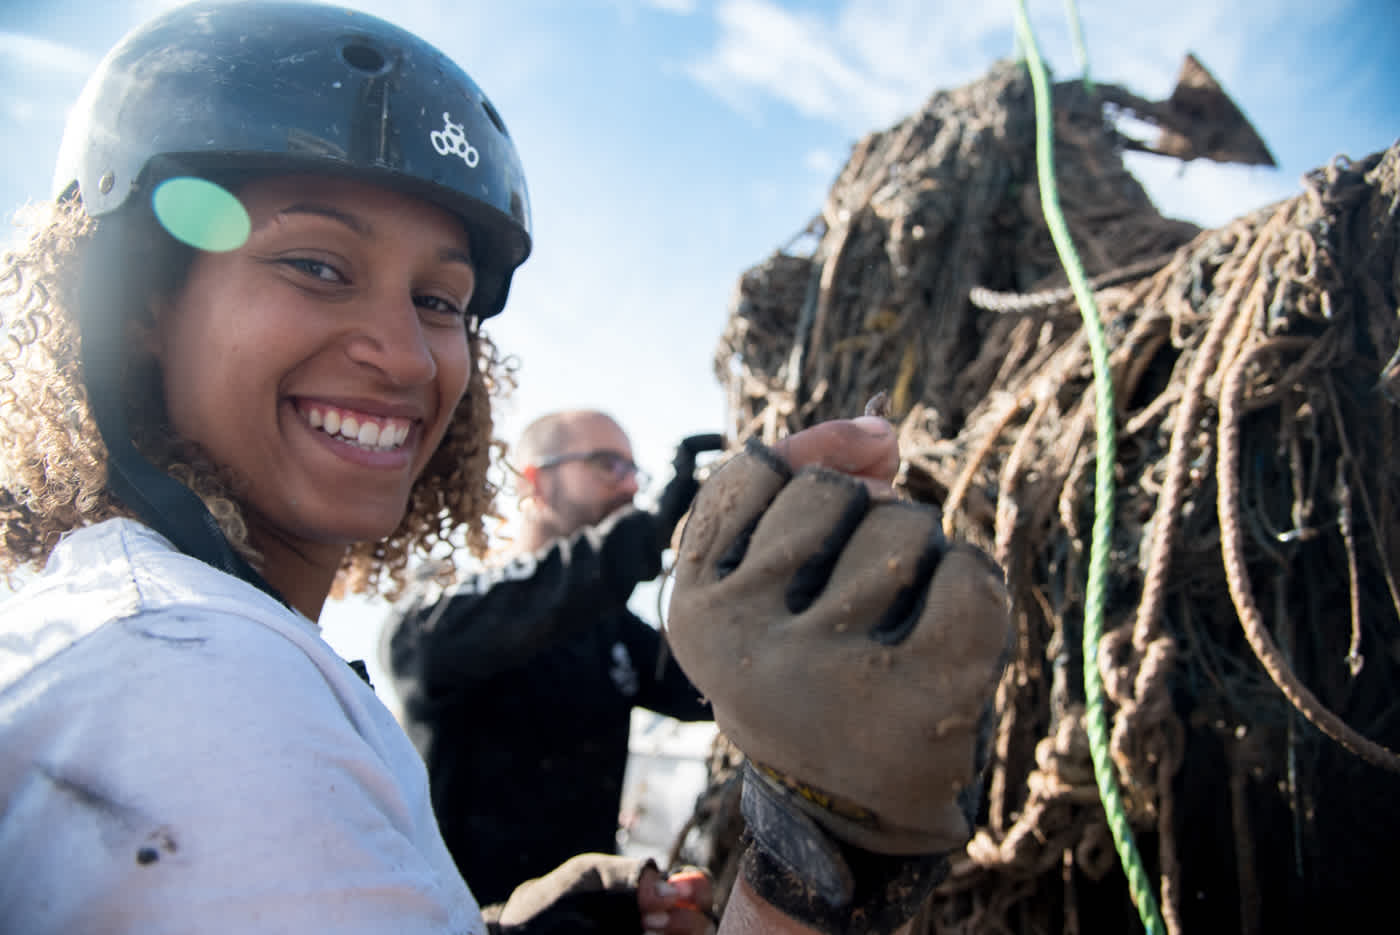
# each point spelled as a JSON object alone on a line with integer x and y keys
{"x": 681, "y": 490}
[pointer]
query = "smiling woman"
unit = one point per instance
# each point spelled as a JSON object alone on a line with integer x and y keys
{"x": 243, "y": 366}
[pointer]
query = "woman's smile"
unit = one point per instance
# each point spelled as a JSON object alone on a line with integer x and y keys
{"x": 359, "y": 429}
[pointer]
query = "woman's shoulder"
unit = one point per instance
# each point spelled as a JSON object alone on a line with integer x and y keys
{"x": 124, "y": 588}
{"x": 119, "y": 564}
{"x": 86, "y": 582}
{"x": 150, "y": 644}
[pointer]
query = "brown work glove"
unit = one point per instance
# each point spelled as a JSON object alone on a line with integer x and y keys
{"x": 852, "y": 653}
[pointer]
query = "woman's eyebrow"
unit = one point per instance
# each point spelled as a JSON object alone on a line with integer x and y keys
{"x": 455, "y": 255}
{"x": 356, "y": 224}
{"x": 363, "y": 228}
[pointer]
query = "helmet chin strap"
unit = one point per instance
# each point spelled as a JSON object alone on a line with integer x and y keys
{"x": 168, "y": 506}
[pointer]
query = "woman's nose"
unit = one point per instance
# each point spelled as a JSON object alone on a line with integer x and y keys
{"x": 392, "y": 340}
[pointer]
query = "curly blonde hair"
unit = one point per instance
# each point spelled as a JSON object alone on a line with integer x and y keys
{"x": 53, "y": 462}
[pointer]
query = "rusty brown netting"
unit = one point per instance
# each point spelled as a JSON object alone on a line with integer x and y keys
{"x": 1251, "y": 654}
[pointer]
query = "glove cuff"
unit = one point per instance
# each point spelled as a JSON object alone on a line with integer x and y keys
{"x": 813, "y": 877}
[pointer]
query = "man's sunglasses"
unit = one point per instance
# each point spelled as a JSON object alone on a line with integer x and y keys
{"x": 615, "y": 466}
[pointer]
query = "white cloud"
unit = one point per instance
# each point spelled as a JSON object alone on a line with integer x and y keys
{"x": 39, "y": 79}
{"x": 29, "y": 54}
{"x": 1209, "y": 193}
{"x": 681, "y": 7}
{"x": 863, "y": 68}
{"x": 767, "y": 51}
{"x": 920, "y": 46}
{"x": 874, "y": 60}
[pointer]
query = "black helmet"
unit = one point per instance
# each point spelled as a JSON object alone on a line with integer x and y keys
{"x": 237, "y": 86}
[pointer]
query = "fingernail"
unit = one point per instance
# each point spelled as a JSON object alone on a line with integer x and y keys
{"x": 655, "y": 921}
{"x": 873, "y": 425}
{"x": 666, "y": 890}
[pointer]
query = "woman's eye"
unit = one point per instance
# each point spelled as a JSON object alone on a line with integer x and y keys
{"x": 435, "y": 303}
{"x": 322, "y": 271}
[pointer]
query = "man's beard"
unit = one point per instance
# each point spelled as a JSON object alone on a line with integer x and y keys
{"x": 574, "y": 516}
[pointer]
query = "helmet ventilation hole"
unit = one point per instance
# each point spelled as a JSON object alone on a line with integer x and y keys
{"x": 495, "y": 117}
{"x": 363, "y": 57}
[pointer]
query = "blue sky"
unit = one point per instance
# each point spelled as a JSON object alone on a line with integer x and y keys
{"x": 671, "y": 144}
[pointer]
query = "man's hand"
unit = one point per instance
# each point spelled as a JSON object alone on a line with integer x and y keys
{"x": 851, "y": 652}
{"x": 609, "y": 895}
{"x": 680, "y": 904}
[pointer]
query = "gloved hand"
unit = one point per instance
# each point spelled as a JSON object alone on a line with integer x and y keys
{"x": 629, "y": 545}
{"x": 680, "y": 491}
{"x": 852, "y": 653}
{"x": 605, "y": 894}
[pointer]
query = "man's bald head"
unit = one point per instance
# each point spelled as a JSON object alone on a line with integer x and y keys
{"x": 564, "y": 484}
{"x": 552, "y": 433}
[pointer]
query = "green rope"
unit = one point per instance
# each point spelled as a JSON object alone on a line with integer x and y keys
{"x": 1076, "y": 31}
{"x": 1096, "y": 721}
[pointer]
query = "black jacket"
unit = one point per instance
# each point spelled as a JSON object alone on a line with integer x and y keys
{"x": 518, "y": 687}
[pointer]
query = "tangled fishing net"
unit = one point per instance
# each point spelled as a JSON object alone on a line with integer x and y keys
{"x": 1251, "y": 650}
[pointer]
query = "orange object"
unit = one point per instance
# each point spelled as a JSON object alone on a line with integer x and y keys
{"x": 688, "y": 875}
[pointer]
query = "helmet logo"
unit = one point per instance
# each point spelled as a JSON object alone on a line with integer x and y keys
{"x": 452, "y": 140}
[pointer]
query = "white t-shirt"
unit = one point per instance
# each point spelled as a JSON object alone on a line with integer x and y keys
{"x": 181, "y": 753}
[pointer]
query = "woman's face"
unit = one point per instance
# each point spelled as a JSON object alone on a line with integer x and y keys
{"x": 323, "y": 360}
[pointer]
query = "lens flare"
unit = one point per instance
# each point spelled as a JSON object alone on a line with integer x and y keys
{"x": 201, "y": 214}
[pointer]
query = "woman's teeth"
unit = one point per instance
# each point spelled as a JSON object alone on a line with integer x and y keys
{"x": 376, "y": 435}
